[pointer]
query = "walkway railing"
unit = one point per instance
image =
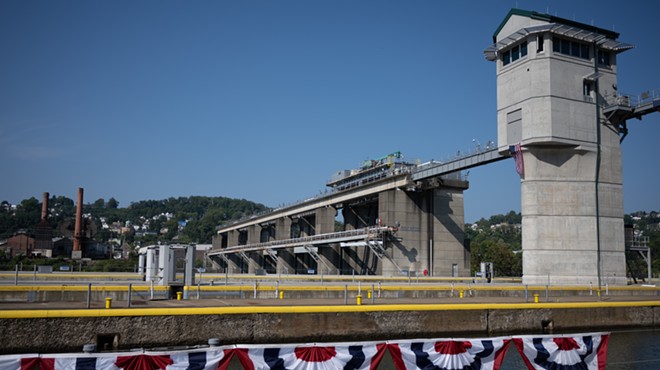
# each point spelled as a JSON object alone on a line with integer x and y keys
{"x": 327, "y": 238}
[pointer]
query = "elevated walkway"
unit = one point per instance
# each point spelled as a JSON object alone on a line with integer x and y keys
{"x": 460, "y": 163}
{"x": 622, "y": 107}
{"x": 365, "y": 235}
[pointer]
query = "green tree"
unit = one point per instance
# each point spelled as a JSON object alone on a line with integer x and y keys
{"x": 112, "y": 203}
{"x": 99, "y": 204}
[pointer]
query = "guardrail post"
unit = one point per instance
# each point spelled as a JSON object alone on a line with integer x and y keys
{"x": 277, "y": 289}
{"x": 35, "y": 272}
{"x": 526, "y": 293}
{"x": 255, "y": 290}
{"x": 345, "y": 294}
{"x": 372, "y": 294}
{"x": 151, "y": 290}
{"x": 547, "y": 294}
{"x": 16, "y": 277}
{"x": 130, "y": 292}
{"x": 89, "y": 295}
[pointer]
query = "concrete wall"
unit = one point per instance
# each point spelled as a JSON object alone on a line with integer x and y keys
{"x": 69, "y": 334}
{"x": 431, "y": 224}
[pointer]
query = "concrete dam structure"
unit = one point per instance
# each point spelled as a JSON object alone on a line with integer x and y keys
{"x": 398, "y": 218}
{"x": 559, "y": 115}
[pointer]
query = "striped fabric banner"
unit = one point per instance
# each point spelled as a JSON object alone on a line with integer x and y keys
{"x": 561, "y": 352}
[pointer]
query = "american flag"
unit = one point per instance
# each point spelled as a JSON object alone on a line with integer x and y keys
{"x": 516, "y": 152}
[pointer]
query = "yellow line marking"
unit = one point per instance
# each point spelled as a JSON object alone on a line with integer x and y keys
{"x": 179, "y": 311}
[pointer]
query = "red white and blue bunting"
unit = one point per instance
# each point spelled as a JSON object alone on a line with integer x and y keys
{"x": 449, "y": 354}
{"x": 358, "y": 356}
{"x": 571, "y": 352}
{"x": 539, "y": 352}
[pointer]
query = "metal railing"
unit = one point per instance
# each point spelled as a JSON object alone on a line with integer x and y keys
{"x": 631, "y": 100}
{"x": 369, "y": 232}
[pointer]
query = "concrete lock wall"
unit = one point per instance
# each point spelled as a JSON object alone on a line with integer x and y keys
{"x": 69, "y": 334}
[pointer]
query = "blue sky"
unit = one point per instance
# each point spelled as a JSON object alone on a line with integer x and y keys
{"x": 264, "y": 100}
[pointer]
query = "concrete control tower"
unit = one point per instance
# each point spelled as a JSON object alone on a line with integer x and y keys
{"x": 554, "y": 79}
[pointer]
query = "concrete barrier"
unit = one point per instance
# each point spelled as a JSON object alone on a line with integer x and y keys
{"x": 121, "y": 329}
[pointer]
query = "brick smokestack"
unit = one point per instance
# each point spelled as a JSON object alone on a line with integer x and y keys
{"x": 77, "y": 234}
{"x": 44, "y": 208}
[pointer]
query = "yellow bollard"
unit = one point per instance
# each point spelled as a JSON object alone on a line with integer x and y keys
{"x": 369, "y": 294}
{"x": 179, "y": 295}
{"x": 536, "y": 298}
{"x": 460, "y": 294}
{"x": 359, "y": 300}
{"x": 108, "y": 303}
{"x": 281, "y": 294}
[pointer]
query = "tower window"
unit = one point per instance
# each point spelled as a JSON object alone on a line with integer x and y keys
{"x": 587, "y": 88}
{"x": 604, "y": 58}
{"x": 539, "y": 44}
{"x": 572, "y": 48}
{"x": 515, "y": 53}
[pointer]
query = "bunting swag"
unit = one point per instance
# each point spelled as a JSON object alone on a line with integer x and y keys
{"x": 449, "y": 354}
{"x": 358, "y": 356}
{"x": 570, "y": 352}
{"x": 210, "y": 359}
{"x": 539, "y": 352}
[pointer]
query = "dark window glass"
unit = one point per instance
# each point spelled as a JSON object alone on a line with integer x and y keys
{"x": 575, "y": 49}
{"x": 506, "y": 57}
{"x": 523, "y": 49}
{"x": 515, "y": 53}
{"x": 556, "y": 45}
{"x": 603, "y": 58}
{"x": 539, "y": 43}
{"x": 566, "y": 47}
{"x": 585, "y": 51}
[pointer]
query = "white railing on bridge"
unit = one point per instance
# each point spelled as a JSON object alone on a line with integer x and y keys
{"x": 327, "y": 238}
{"x": 632, "y": 100}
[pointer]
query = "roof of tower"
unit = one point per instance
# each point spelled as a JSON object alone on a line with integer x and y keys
{"x": 605, "y": 39}
{"x": 553, "y": 19}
